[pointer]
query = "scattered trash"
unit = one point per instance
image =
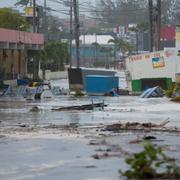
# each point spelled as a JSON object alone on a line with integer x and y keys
{"x": 144, "y": 138}
{"x": 23, "y": 125}
{"x": 149, "y": 137}
{"x": 152, "y": 93}
{"x": 35, "y": 109}
{"x": 96, "y": 142}
{"x": 113, "y": 93}
{"x": 90, "y": 166}
{"x": 101, "y": 156}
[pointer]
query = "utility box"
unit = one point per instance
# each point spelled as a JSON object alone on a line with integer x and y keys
{"x": 99, "y": 85}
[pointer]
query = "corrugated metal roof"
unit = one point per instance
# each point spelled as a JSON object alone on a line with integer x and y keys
{"x": 13, "y": 36}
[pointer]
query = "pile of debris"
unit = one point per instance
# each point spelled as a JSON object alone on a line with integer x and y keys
{"x": 135, "y": 126}
{"x": 152, "y": 93}
{"x": 91, "y": 106}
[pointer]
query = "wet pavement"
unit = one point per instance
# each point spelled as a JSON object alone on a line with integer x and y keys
{"x": 30, "y": 152}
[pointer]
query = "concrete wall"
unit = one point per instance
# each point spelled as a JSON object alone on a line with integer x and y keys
{"x": 143, "y": 66}
{"x": 54, "y": 75}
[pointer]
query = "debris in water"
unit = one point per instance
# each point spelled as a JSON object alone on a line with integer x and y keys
{"x": 81, "y": 107}
{"x": 134, "y": 126}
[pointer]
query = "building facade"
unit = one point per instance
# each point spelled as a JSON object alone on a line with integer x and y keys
{"x": 151, "y": 69}
{"x": 16, "y": 49}
{"x": 95, "y": 51}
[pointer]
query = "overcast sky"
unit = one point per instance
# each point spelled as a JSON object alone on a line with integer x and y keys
{"x": 10, "y": 3}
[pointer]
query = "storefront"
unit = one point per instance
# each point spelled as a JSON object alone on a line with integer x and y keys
{"x": 14, "y": 48}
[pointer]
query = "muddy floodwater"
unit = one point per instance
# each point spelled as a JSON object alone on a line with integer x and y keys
{"x": 33, "y": 147}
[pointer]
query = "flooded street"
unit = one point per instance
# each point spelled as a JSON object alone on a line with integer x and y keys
{"x": 14, "y": 111}
{"x": 33, "y": 147}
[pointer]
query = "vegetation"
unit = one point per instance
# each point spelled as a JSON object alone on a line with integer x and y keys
{"x": 123, "y": 12}
{"x": 54, "y": 56}
{"x": 124, "y": 46}
{"x": 78, "y": 92}
{"x": 169, "y": 92}
{"x": 151, "y": 163}
{"x": 12, "y": 20}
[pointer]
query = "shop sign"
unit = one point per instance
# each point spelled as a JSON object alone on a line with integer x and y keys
{"x": 158, "y": 62}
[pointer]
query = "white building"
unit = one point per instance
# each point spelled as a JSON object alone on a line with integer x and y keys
{"x": 152, "y": 69}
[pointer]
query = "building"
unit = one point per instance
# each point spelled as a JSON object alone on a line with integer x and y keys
{"x": 17, "y": 49}
{"x": 95, "y": 51}
{"x": 157, "y": 68}
{"x": 151, "y": 69}
{"x": 167, "y": 40}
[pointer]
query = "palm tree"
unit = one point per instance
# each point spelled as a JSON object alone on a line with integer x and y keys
{"x": 122, "y": 45}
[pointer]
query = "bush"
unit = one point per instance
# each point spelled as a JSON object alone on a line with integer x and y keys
{"x": 169, "y": 92}
{"x": 151, "y": 163}
{"x": 78, "y": 93}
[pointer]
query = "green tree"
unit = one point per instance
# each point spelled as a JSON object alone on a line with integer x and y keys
{"x": 54, "y": 56}
{"x": 12, "y": 20}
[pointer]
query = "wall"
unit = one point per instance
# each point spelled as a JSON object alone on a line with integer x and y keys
{"x": 148, "y": 66}
{"x": 54, "y": 75}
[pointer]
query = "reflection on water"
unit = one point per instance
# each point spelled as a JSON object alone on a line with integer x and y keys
{"x": 15, "y": 111}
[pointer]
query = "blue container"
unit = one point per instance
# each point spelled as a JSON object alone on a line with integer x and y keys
{"x": 101, "y": 84}
{"x": 22, "y": 82}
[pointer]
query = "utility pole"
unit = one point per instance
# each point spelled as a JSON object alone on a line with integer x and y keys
{"x": 77, "y": 27}
{"x": 34, "y": 16}
{"x": 159, "y": 25}
{"x": 45, "y": 21}
{"x": 151, "y": 24}
{"x": 71, "y": 32}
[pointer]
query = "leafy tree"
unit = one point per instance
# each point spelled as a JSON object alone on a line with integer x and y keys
{"x": 12, "y": 20}
{"x": 54, "y": 55}
{"x": 122, "y": 45}
{"x": 123, "y": 12}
